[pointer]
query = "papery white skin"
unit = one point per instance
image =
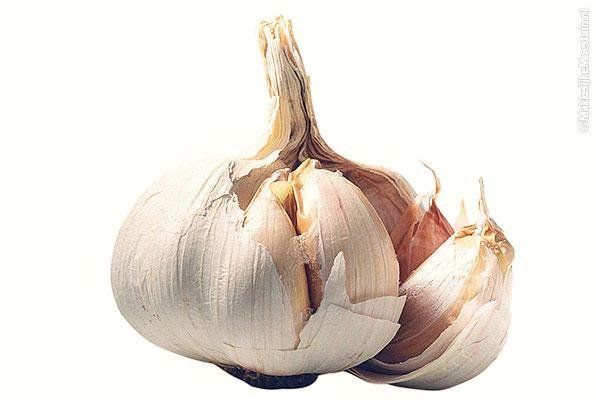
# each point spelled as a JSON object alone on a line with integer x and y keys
{"x": 189, "y": 277}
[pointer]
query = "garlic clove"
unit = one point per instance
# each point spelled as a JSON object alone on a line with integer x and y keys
{"x": 268, "y": 221}
{"x": 456, "y": 314}
{"x": 334, "y": 216}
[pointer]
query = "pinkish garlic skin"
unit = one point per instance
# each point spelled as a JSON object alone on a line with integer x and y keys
{"x": 427, "y": 232}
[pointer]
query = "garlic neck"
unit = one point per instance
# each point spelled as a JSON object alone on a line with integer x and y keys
{"x": 293, "y": 124}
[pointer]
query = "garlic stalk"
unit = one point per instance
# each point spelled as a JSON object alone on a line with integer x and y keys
{"x": 286, "y": 264}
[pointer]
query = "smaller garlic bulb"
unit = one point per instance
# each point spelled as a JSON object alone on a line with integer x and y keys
{"x": 456, "y": 315}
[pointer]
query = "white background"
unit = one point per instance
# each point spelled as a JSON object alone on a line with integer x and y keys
{"x": 97, "y": 99}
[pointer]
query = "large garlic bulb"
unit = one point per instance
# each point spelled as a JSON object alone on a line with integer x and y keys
{"x": 286, "y": 264}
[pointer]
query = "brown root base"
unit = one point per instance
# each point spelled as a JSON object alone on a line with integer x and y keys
{"x": 263, "y": 381}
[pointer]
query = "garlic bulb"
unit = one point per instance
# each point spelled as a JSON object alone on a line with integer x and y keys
{"x": 285, "y": 265}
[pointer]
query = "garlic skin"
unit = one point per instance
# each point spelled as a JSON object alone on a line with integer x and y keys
{"x": 428, "y": 230}
{"x": 247, "y": 265}
{"x": 456, "y": 315}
